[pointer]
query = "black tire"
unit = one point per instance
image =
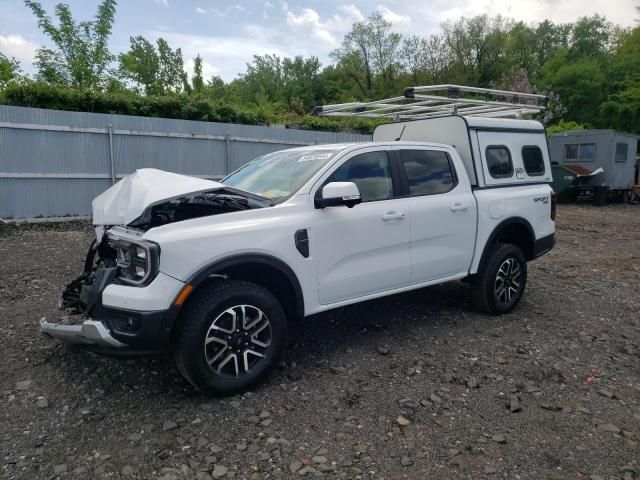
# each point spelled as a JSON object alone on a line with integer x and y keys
{"x": 223, "y": 302}
{"x": 487, "y": 294}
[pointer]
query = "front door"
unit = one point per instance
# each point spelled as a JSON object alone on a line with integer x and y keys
{"x": 365, "y": 249}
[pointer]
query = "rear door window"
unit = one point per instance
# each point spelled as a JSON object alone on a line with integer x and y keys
{"x": 429, "y": 172}
{"x": 499, "y": 161}
{"x": 533, "y": 160}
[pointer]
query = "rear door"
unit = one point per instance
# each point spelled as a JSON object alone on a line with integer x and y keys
{"x": 443, "y": 213}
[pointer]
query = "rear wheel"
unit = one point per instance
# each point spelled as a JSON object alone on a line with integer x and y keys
{"x": 500, "y": 284}
{"x": 232, "y": 334}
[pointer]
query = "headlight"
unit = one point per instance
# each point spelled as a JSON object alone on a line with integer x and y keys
{"x": 137, "y": 261}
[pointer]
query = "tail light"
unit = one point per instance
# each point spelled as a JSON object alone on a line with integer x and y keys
{"x": 554, "y": 201}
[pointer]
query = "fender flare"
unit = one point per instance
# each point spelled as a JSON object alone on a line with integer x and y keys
{"x": 260, "y": 258}
{"x": 498, "y": 229}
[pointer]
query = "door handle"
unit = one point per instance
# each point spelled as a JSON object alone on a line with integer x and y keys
{"x": 393, "y": 216}
{"x": 456, "y": 207}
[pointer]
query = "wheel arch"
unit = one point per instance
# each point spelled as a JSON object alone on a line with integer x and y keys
{"x": 516, "y": 231}
{"x": 262, "y": 269}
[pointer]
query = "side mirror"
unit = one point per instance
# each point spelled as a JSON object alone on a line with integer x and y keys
{"x": 335, "y": 194}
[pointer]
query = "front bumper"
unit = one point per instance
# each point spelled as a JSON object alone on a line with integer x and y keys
{"x": 90, "y": 332}
{"x": 116, "y": 331}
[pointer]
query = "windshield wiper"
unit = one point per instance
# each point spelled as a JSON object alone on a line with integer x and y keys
{"x": 258, "y": 199}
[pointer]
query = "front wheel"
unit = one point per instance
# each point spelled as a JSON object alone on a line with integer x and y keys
{"x": 232, "y": 334}
{"x": 501, "y": 282}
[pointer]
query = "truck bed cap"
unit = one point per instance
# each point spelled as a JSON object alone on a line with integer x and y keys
{"x": 503, "y": 123}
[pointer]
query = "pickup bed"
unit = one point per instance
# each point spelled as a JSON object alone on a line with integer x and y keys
{"x": 214, "y": 272}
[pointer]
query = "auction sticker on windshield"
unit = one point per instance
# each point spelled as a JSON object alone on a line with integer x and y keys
{"x": 315, "y": 156}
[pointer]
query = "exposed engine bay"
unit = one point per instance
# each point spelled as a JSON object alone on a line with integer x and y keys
{"x": 202, "y": 204}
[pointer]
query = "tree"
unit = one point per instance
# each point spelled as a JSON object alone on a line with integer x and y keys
{"x": 580, "y": 85}
{"x": 9, "y": 69}
{"x": 478, "y": 49}
{"x": 263, "y": 80}
{"x": 216, "y": 88}
{"x": 548, "y": 38}
{"x": 437, "y": 58}
{"x": 197, "y": 81}
{"x": 413, "y": 56}
{"x": 293, "y": 82}
{"x": 385, "y": 51}
{"x": 519, "y": 49}
{"x": 302, "y": 81}
{"x": 81, "y": 55}
{"x": 158, "y": 69}
{"x": 141, "y": 65}
{"x": 370, "y": 49}
{"x": 591, "y": 37}
{"x": 622, "y": 108}
{"x": 171, "y": 75}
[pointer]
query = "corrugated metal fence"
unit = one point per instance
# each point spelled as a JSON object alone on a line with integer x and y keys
{"x": 53, "y": 163}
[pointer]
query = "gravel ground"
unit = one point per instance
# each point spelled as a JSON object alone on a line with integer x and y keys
{"x": 413, "y": 386}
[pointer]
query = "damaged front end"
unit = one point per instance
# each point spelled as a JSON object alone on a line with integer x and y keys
{"x": 84, "y": 320}
{"x": 125, "y": 267}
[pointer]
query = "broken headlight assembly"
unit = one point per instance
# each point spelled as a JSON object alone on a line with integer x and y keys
{"x": 137, "y": 261}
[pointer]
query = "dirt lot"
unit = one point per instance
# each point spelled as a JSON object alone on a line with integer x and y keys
{"x": 413, "y": 386}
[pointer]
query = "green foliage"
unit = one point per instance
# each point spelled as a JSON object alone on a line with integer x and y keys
{"x": 141, "y": 65}
{"x": 197, "y": 81}
{"x": 9, "y": 69}
{"x": 622, "y": 108}
{"x": 369, "y": 55}
{"x": 591, "y": 37}
{"x": 81, "y": 56}
{"x": 563, "y": 126}
{"x": 581, "y": 86}
{"x": 336, "y": 124}
{"x": 590, "y": 70}
{"x": 181, "y": 106}
{"x": 290, "y": 83}
{"x": 157, "y": 69}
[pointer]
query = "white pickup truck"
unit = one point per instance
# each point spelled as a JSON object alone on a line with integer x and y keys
{"x": 214, "y": 272}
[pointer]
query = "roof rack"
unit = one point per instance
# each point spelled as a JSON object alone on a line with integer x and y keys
{"x": 440, "y": 100}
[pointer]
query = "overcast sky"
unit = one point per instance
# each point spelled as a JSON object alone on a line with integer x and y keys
{"x": 228, "y": 34}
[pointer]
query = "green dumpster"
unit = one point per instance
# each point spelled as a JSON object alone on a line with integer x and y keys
{"x": 563, "y": 181}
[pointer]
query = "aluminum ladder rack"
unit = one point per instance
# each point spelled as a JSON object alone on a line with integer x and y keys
{"x": 440, "y": 100}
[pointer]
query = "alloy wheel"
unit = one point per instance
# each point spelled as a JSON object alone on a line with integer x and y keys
{"x": 237, "y": 341}
{"x": 508, "y": 281}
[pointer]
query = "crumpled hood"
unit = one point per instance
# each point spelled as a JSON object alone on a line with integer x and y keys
{"x": 125, "y": 201}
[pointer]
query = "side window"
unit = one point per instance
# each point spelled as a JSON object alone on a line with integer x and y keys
{"x": 584, "y": 152}
{"x": 499, "y": 162}
{"x": 371, "y": 172}
{"x": 622, "y": 150}
{"x": 428, "y": 172}
{"x": 533, "y": 161}
{"x": 570, "y": 151}
{"x": 587, "y": 151}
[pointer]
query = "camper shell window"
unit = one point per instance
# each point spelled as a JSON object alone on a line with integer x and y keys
{"x": 533, "y": 161}
{"x": 499, "y": 161}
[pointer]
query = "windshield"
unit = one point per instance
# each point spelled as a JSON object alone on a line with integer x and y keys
{"x": 279, "y": 175}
